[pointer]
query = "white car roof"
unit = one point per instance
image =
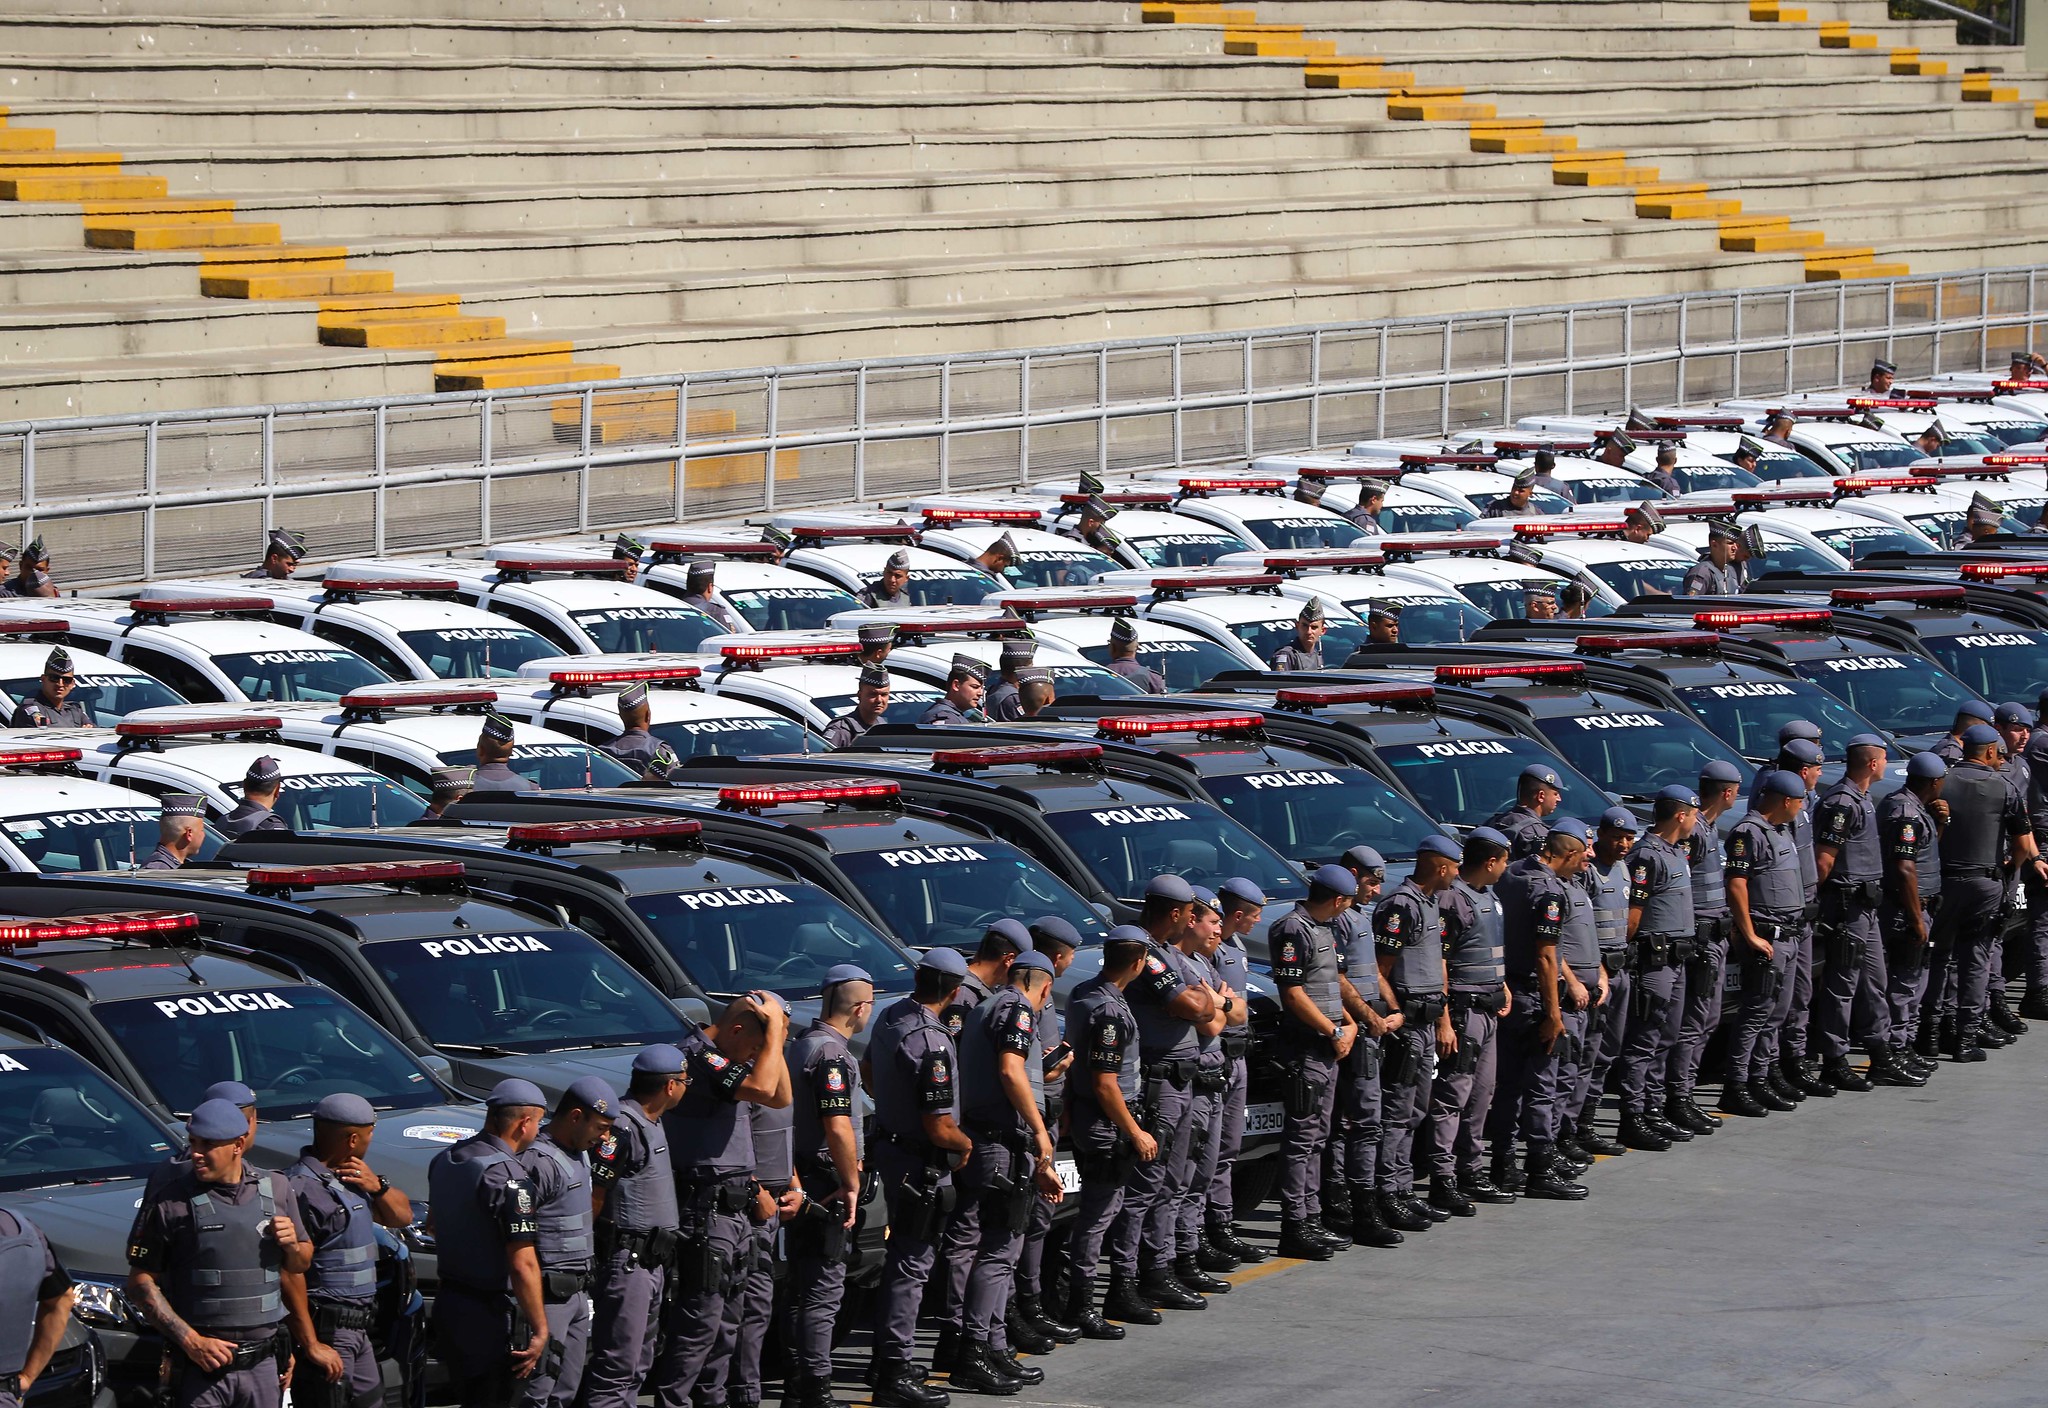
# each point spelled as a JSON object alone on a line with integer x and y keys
{"x": 601, "y": 705}
{"x": 1137, "y": 524}
{"x": 1592, "y": 550}
{"x": 965, "y": 541}
{"x": 1081, "y": 632}
{"x": 793, "y": 690}
{"x": 867, "y": 559}
{"x": 1252, "y": 510}
{"x": 1459, "y": 571}
{"x": 1238, "y": 609}
{"x": 23, "y": 657}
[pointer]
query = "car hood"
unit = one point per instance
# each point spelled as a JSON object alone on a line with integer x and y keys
{"x": 553, "y": 1071}
{"x": 87, "y": 1224}
{"x": 406, "y": 1141}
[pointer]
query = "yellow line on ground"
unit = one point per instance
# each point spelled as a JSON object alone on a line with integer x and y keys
{"x": 1251, "y": 1274}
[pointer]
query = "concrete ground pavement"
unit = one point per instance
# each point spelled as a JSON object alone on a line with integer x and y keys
{"x": 1871, "y": 1250}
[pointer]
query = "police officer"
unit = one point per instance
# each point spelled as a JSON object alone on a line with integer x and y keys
{"x": 1309, "y": 488}
{"x": 1318, "y": 1034}
{"x": 1123, "y": 657}
{"x": 877, "y": 639}
{"x": 1305, "y": 650}
{"x": 1746, "y": 455}
{"x": 255, "y": 812}
{"x": 1033, "y": 1328}
{"x": 1450, "y": 1140}
{"x": 987, "y": 970}
{"x": 1091, "y": 525}
{"x": 1662, "y": 476}
{"x": 633, "y": 1189}
{"x": 700, "y": 589}
{"x": 1001, "y": 1098}
{"x": 31, "y": 576}
{"x": 35, "y": 1305}
{"x": 1949, "y": 747}
{"x": 181, "y": 831}
{"x": 870, "y": 702}
{"x": 1372, "y": 497}
{"x": 633, "y": 745}
{"x": 827, "y": 1134}
{"x": 1720, "y": 781}
{"x": 1408, "y": 940}
{"x": 733, "y": 1375}
{"x": 2015, "y": 724}
{"x": 1607, "y": 1027}
{"x": 1789, "y": 1076}
{"x": 1103, "y": 1089}
{"x": 1205, "y": 1127}
{"x": 1539, "y": 601}
{"x": 1881, "y": 375}
{"x": 1715, "y": 574}
{"x": 1243, "y": 905}
{"x": 628, "y": 549}
{"x": 1572, "y": 599}
{"x": 1383, "y": 624}
{"x": 734, "y": 1065}
{"x": 565, "y": 1235}
{"x": 1986, "y": 815}
{"x": 1352, "y": 1212}
{"x": 1537, "y": 894}
{"x": 490, "y": 1321}
{"x": 1035, "y": 690}
{"x": 1641, "y": 523}
{"x": 340, "y": 1199}
{"x": 1003, "y": 704}
{"x": 919, "y": 1142}
{"x": 1615, "y": 446}
{"x": 1537, "y": 794}
{"x": 889, "y": 589}
{"x": 446, "y": 787}
{"x": 998, "y": 558}
{"x": 1515, "y": 502}
{"x": 493, "y": 755}
{"x": 1585, "y": 983}
{"x": 212, "y": 1256}
{"x": 1662, "y": 929}
{"x": 282, "y": 549}
{"x": 1849, "y": 858}
{"x": 52, "y": 706}
{"x": 2034, "y": 1003}
{"x": 961, "y": 703}
{"x": 1766, "y": 901}
{"x": 1985, "y": 518}
{"x": 1909, "y": 823}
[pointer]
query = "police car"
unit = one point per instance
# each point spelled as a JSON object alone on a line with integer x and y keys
{"x": 1150, "y": 534}
{"x": 1592, "y": 482}
{"x": 850, "y": 550}
{"x": 1354, "y": 580}
{"x": 1971, "y": 426}
{"x": 165, "y": 1012}
{"x": 1844, "y": 446}
{"x": 1477, "y": 488}
{"x": 1786, "y": 548}
{"x": 1926, "y": 504}
{"x": 1244, "y": 612}
{"x": 108, "y": 689}
{"x": 577, "y": 601}
{"x": 209, "y": 649}
{"x": 1468, "y": 564}
{"x": 2027, "y": 396}
{"x": 579, "y": 696}
{"x": 1406, "y": 508}
{"x": 963, "y": 528}
{"x": 1808, "y": 515}
{"x": 1991, "y": 653}
{"x": 1182, "y": 656}
{"x": 1072, "y": 672}
{"x": 1589, "y": 547}
{"x": 810, "y": 676}
{"x": 53, "y": 819}
{"x": 1259, "y": 511}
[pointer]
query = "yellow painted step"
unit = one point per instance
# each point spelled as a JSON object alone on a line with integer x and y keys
{"x": 412, "y": 332}
{"x": 2041, "y": 114}
{"x": 1282, "y": 48}
{"x": 1772, "y": 241}
{"x": 1831, "y": 273}
{"x": 1379, "y": 79}
{"x": 1836, "y": 34}
{"x": 72, "y": 189}
{"x": 284, "y": 281}
{"x": 200, "y": 208}
{"x": 1263, "y": 31}
{"x": 1523, "y": 142}
{"x": 1983, "y": 92}
{"x": 129, "y": 234}
{"x": 1603, "y": 175}
{"x": 278, "y": 258}
{"x": 1196, "y": 14}
{"x": 536, "y": 352}
{"x": 1350, "y": 61}
{"x": 450, "y": 376}
{"x": 1673, "y": 188}
{"x": 55, "y": 163}
{"x": 27, "y": 139}
{"x": 1410, "y": 91}
{"x": 1908, "y": 61}
{"x": 1775, "y": 14}
{"x": 1593, "y": 158}
{"x": 1756, "y": 224}
{"x": 1436, "y": 110}
{"x": 386, "y": 307}
{"x": 1686, "y": 208}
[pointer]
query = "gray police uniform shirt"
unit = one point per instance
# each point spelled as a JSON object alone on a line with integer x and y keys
{"x": 38, "y": 712}
{"x": 498, "y": 777}
{"x": 162, "y": 858}
{"x": 1161, "y": 1035}
{"x": 166, "y": 1241}
{"x": 1949, "y": 749}
{"x": 1660, "y": 884}
{"x": 971, "y": 994}
{"x": 1846, "y": 818}
{"x": 1608, "y": 887}
{"x": 871, "y": 597}
{"x": 1578, "y": 942}
{"x": 1147, "y": 679}
{"x": 2036, "y": 754}
{"x": 913, "y": 1066}
{"x": 1524, "y": 829}
{"x": 472, "y": 1239}
{"x": 1703, "y": 578}
{"x": 1472, "y": 938}
{"x": 718, "y": 611}
{"x": 1297, "y": 657}
{"x": 1234, "y": 966}
{"x": 1906, "y": 831}
{"x": 631, "y": 1164}
{"x": 1004, "y": 1025}
{"x": 326, "y": 1206}
{"x": 561, "y": 1206}
{"x": 1408, "y": 925}
{"x": 944, "y": 711}
{"x": 247, "y": 817}
{"x": 29, "y": 1274}
{"x": 1304, "y": 955}
{"x": 1984, "y": 811}
{"x": 1703, "y": 853}
{"x": 1105, "y": 1042}
{"x": 710, "y": 1130}
{"x": 635, "y": 748}
{"x": 824, "y": 1081}
{"x": 1533, "y": 904}
{"x": 1501, "y": 508}
{"x": 1366, "y": 523}
{"x": 1004, "y": 703}
{"x": 842, "y": 731}
{"x": 1765, "y": 857}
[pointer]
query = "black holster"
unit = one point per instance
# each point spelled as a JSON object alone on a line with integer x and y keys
{"x": 1364, "y": 1061}
{"x": 1398, "y": 1066}
{"x": 699, "y": 1267}
{"x": 1759, "y": 974}
{"x": 921, "y": 1205}
{"x": 818, "y": 1232}
{"x": 1297, "y": 1094}
{"x": 1106, "y": 1166}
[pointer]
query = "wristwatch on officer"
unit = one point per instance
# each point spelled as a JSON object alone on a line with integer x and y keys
{"x": 1228, "y": 1001}
{"x": 383, "y": 1186}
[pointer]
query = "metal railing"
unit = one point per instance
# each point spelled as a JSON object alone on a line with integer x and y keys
{"x": 139, "y": 497}
{"x": 1981, "y": 22}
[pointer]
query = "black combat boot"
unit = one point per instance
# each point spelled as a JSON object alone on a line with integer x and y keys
{"x": 1888, "y": 1067}
{"x": 1676, "y": 1133}
{"x": 1164, "y": 1290}
{"x": 1336, "y": 1215}
{"x": 1927, "y": 1042}
{"x": 1738, "y": 1099}
{"x": 1478, "y": 1185}
{"x": 1297, "y": 1241}
{"x": 975, "y": 1371}
{"x": 1399, "y": 1216}
{"x": 1127, "y": 1303}
{"x": 2002, "y": 1016}
{"x": 1506, "y": 1173}
{"x": 1782, "y": 1085}
{"x": 900, "y": 1384}
{"x": 817, "y": 1393}
{"x": 1081, "y": 1312}
{"x": 1843, "y": 1076}
{"x": 1766, "y": 1095}
{"x": 1368, "y": 1229}
{"x": 1967, "y": 1049}
{"x": 1638, "y": 1135}
{"x": 1006, "y": 1363}
{"x": 1548, "y": 1178}
{"x": 2034, "y": 1003}
{"x": 1037, "y": 1311}
{"x": 1993, "y": 1038}
{"x": 1225, "y": 1238}
{"x": 1951, "y": 1035}
{"x": 1915, "y": 1060}
{"x": 1445, "y": 1197}
{"x": 1567, "y": 1148}
{"x": 1189, "y": 1273}
{"x": 1025, "y": 1336}
{"x": 946, "y": 1353}
{"x": 1592, "y": 1141}
{"x": 1681, "y": 1111}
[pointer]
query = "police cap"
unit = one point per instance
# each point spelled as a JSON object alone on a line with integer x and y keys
{"x": 899, "y": 560}
{"x": 184, "y": 804}
{"x": 1011, "y": 932}
{"x": 1311, "y": 611}
{"x": 1618, "y": 819}
{"x": 1033, "y": 962}
{"x": 1543, "y": 773}
{"x": 966, "y": 667}
{"x": 217, "y": 1121}
{"x": 232, "y": 1091}
{"x": 1926, "y": 765}
{"x": 1866, "y": 740}
{"x": 1206, "y": 899}
{"x": 497, "y": 728}
{"x": 513, "y": 1092}
{"x": 1439, "y": 846}
{"x": 1170, "y": 888}
{"x": 1243, "y": 891}
{"x": 1799, "y": 728}
{"x": 662, "y": 1059}
{"x": 344, "y": 1108}
{"x": 263, "y": 773}
{"x": 590, "y": 1094}
{"x": 1336, "y": 880}
{"x": 2013, "y": 713}
{"x": 633, "y": 696}
{"x": 1719, "y": 770}
{"x": 1977, "y": 735}
{"x": 941, "y": 959}
{"x": 1365, "y": 858}
{"x": 1019, "y": 652}
{"x": 1681, "y": 794}
{"x": 1975, "y": 709}
{"x": 1490, "y": 838}
{"x": 1124, "y": 631}
{"x": 1055, "y": 930}
{"x": 845, "y": 973}
{"x": 1782, "y": 783}
{"x": 1570, "y": 826}
{"x": 1801, "y": 752}
{"x": 873, "y": 677}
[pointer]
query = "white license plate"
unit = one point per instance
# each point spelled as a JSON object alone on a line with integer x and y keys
{"x": 1070, "y": 1174}
{"x": 1265, "y": 1119}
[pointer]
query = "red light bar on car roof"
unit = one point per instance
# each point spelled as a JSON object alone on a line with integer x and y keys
{"x": 1127, "y": 498}
{"x": 1142, "y": 725}
{"x": 198, "y": 606}
{"x": 1516, "y": 669}
{"x": 2024, "y": 384}
{"x": 1992, "y": 571}
{"x": 625, "y": 828}
{"x": 1893, "y": 403}
{"x": 980, "y": 515}
{"x": 1864, "y": 484}
{"x": 1728, "y": 620}
{"x": 1558, "y": 447}
{"x": 1747, "y": 497}
{"x": 1703, "y": 421}
{"x": 652, "y": 674}
{"x": 1677, "y": 642}
{"x": 711, "y": 548}
{"x": 1328, "y": 560}
{"x": 416, "y": 698}
{"x": 1367, "y": 469}
{"x": 1841, "y": 412}
{"x": 1068, "y": 601}
{"x": 128, "y": 924}
{"x": 790, "y": 649}
{"x": 566, "y": 566}
{"x": 1408, "y": 544}
{"x": 1038, "y": 753}
{"x": 1871, "y": 596}
{"x": 1569, "y": 528}
{"x": 198, "y": 727}
{"x": 1206, "y": 484}
{"x": 380, "y": 872}
{"x": 821, "y": 532}
{"x": 396, "y": 586}
{"x": 1467, "y": 459}
{"x": 37, "y": 757}
{"x": 1353, "y": 694}
{"x": 2009, "y": 458}
{"x": 1696, "y": 509}
{"x": 958, "y": 626}
{"x": 1663, "y": 436}
{"x": 1950, "y": 393}
{"x": 1215, "y": 581}
{"x": 23, "y": 627}
{"x": 841, "y": 789}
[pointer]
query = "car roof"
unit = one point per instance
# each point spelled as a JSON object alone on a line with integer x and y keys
{"x": 869, "y": 558}
{"x": 1153, "y": 523}
{"x": 1083, "y": 632}
{"x": 1239, "y": 608}
{"x": 23, "y": 658}
{"x": 24, "y": 798}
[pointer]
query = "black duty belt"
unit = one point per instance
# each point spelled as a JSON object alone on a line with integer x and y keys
{"x": 329, "y": 1316}
{"x": 725, "y": 1192}
{"x": 1965, "y": 872}
{"x": 1617, "y": 960}
{"x": 913, "y": 1145}
{"x": 1470, "y": 1001}
{"x": 1421, "y": 1006}
{"x": 556, "y": 1287}
{"x": 1175, "y": 1070}
{"x": 1235, "y": 1047}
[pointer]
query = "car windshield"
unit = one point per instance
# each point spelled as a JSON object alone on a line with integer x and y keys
{"x": 1975, "y": 440}
{"x": 477, "y": 652}
{"x": 1654, "y": 576}
{"x": 1504, "y": 601}
{"x": 92, "y": 838}
{"x": 1748, "y": 714}
{"x": 1186, "y": 664}
{"x": 293, "y": 1046}
{"x": 1340, "y": 638}
{"x": 107, "y": 698}
{"x": 1541, "y": 501}
{"x": 789, "y": 608}
{"x": 323, "y": 673}
{"x": 938, "y": 586}
{"x": 1782, "y": 554}
{"x": 1902, "y": 694}
{"x": 1621, "y": 489}
{"x": 1635, "y": 753}
{"x": 1696, "y": 478}
{"x": 1463, "y": 781}
{"x": 2014, "y": 432}
{"x": 535, "y": 990}
{"x": 67, "y": 1123}
{"x": 1314, "y": 815}
{"x": 731, "y": 738}
{"x": 783, "y": 937}
{"x": 324, "y": 801}
{"x": 632, "y": 630}
{"x": 1862, "y": 540}
{"x": 1864, "y": 455}
{"x": 947, "y": 894}
{"x": 1427, "y": 518}
{"x": 1429, "y": 620}
{"x": 1076, "y": 681}
{"x": 1947, "y": 529}
{"x": 1075, "y": 568}
{"x": 554, "y": 766}
{"x": 1193, "y": 548}
{"x": 1790, "y": 464}
{"x": 1289, "y": 534}
{"x": 1125, "y": 844}
{"x": 906, "y": 706}
{"x": 2001, "y": 662}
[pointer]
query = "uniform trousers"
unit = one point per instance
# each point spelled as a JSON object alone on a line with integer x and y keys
{"x": 1146, "y": 1220}
{"x": 1205, "y": 1145}
{"x": 568, "y": 1326}
{"x": 1705, "y": 984}
{"x": 695, "y": 1314}
{"x": 1607, "y": 1029}
{"x": 626, "y": 1302}
{"x": 1307, "y": 1131}
{"x": 1852, "y": 999}
{"x": 1906, "y": 957}
{"x": 1766, "y": 995}
{"x": 1532, "y": 1081}
{"x": 1402, "y": 1107}
{"x": 912, "y": 1250}
{"x": 1461, "y": 1094}
{"x": 1657, "y": 996}
{"x": 1230, "y": 1141}
{"x": 1971, "y": 905}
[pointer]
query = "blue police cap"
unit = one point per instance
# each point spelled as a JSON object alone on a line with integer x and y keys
{"x": 1487, "y": 836}
{"x": 660, "y": 1059}
{"x": 1782, "y": 783}
{"x": 1365, "y": 858}
{"x": 845, "y": 973}
{"x": 1570, "y": 826}
{"x": 2013, "y": 712}
{"x": 943, "y": 960}
{"x": 1012, "y": 933}
{"x": 1206, "y": 899}
{"x": 217, "y": 1121}
{"x": 1127, "y": 934}
{"x": 1867, "y": 740}
{"x": 1243, "y": 891}
{"x": 1053, "y": 929}
{"x": 1543, "y": 773}
{"x": 512, "y": 1092}
{"x": 1977, "y": 735}
{"x": 1799, "y": 728}
{"x": 1034, "y": 962}
{"x": 592, "y": 1094}
{"x": 1974, "y": 709}
{"x": 1926, "y": 765}
{"x": 1720, "y": 770}
{"x": 1802, "y": 751}
{"x": 1336, "y": 879}
{"x": 1619, "y": 818}
{"x": 232, "y": 1091}
{"x": 1678, "y": 792}
{"x": 344, "y": 1108}
{"x": 1439, "y": 846}
{"x": 1170, "y": 888}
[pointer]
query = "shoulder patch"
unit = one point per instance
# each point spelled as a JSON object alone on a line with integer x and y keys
{"x": 1024, "y": 1020}
{"x": 835, "y": 1080}
{"x": 715, "y": 1061}
{"x": 1152, "y": 963}
{"x": 608, "y": 1147}
{"x": 1553, "y": 909}
{"x": 1289, "y": 953}
{"x": 941, "y": 1072}
{"x": 522, "y": 1197}
{"x": 1393, "y": 921}
{"x": 1642, "y": 872}
{"x": 1909, "y": 833}
{"x": 1738, "y": 844}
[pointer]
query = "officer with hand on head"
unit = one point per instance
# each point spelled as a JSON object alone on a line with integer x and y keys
{"x": 1462, "y": 1093}
{"x": 961, "y": 703}
{"x": 1004, "y": 704}
{"x": 1538, "y": 791}
{"x": 282, "y": 549}
{"x": 1661, "y": 931}
{"x": 52, "y": 706}
{"x": 1305, "y": 650}
{"x": 181, "y": 831}
{"x": 212, "y": 1257}
{"x": 891, "y": 588}
{"x": 1765, "y": 902}
{"x": 1909, "y": 823}
{"x": 565, "y": 1237}
{"x": 1123, "y": 657}
{"x": 633, "y": 1192}
{"x": 633, "y": 745}
{"x": 255, "y": 812}
{"x": 824, "y": 1079}
{"x": 36, "y": 1294}
{"x": 340, "y": 1201}
{"x": 870, "y": 703}
{"x": 1318, "y": 1034}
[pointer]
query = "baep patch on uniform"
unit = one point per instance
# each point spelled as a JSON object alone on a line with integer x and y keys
{"x": 834, "y": 1080}
{"x": 1552, "y": 910}
{"x": 437, "y": 1133}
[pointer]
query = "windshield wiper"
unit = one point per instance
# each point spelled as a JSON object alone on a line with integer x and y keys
{"x": 494, "y": 1053}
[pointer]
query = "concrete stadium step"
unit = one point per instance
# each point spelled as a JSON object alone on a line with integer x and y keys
{"x": 108, "y": 330}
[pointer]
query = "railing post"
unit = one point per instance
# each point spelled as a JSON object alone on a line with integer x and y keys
{"x": 1315, "y": 389}
{"x": 682, "y": 441}
{"x": 945, "y": 424}
{"x": 774, "y": 429}
{"x": 1247, "y": 358}
{"x": 1179, "y": 394}
{"x": 1024, "y": 414}
{"x": 149, "y": 448}
{"x": 860, "y": 427}
{"x": 377, "y": 496}
{"x": 1102, "y": 409}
